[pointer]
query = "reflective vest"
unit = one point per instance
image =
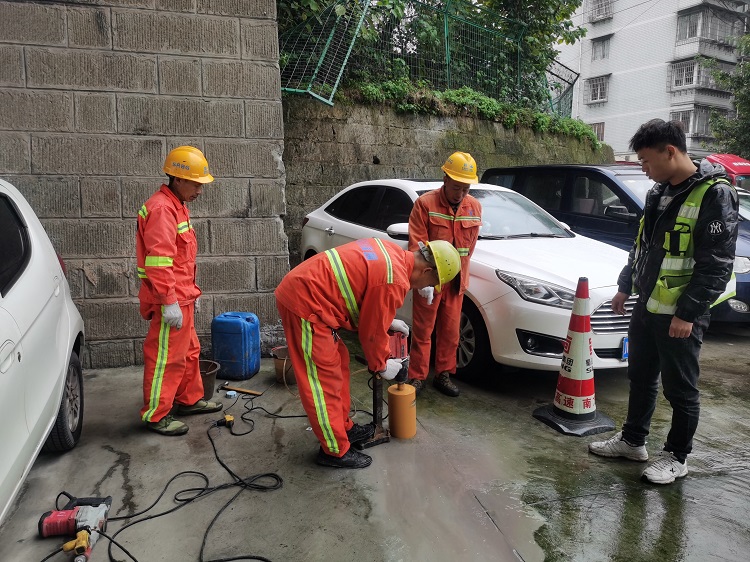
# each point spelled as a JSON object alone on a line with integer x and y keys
{"x": 677, "y": 266}
{"x": 166, "y": 248}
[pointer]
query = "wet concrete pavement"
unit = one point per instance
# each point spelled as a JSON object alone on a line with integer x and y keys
{"x": 482, "y": 480}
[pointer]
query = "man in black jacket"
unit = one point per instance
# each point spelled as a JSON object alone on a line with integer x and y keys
{"x": 680, "y": 265}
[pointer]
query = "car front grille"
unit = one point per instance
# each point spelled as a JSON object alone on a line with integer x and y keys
{"x": 604, "y": 321}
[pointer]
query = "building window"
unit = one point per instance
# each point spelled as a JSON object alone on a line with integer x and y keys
{"x": 696, "y": 121}
{"x": 712, "y": 25}
{"x": 683, "y": 116}
{"x": 600, "y": 48}
{"x": 599, "y": 130}
{"x": 690, "y": 74}
{"x": 683, "y": 74}
{"x": 687, "y": 26}
{"x": 600, "y": 10}
{"x": 595, "y": 90}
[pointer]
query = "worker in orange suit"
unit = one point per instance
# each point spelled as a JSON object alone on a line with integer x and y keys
{"x": 356, "y": 287}
{"x": 166, "y": 247}
{"x": 448, "y": 213}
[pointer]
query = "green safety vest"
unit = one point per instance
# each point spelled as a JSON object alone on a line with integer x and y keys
{"x": 677, "y": 266}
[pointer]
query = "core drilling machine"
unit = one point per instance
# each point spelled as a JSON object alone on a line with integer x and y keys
{"x": 82, "y": 518}
{"x": 402, "y": 411}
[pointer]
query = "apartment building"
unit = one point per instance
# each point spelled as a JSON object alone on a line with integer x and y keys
{"x": 643, "y": 59}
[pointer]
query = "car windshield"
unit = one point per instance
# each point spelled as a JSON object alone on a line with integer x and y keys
{"x": 745, "y": 205}
{"x": 638, "y": 184}
{"x": 511, "y": 215}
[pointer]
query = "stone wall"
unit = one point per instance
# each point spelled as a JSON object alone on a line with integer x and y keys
{"x": 328, "y": 148}
{"x": 94, "y": 94}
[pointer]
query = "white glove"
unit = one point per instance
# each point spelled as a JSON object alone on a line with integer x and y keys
{"x": 172, "y": 315}
{"x": 197, "y": 308}
{"x": 427, "y": 293}
{"x": 392, "y": 367}
{"x": 399, "y": 326}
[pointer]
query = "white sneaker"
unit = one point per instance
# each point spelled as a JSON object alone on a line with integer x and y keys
{"x": 665, "y": 470}
{"x": 616, "y": 446}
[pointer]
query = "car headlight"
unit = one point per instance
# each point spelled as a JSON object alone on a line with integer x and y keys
{"x": 741, "y": 264}
{"x": 535, "y": 290}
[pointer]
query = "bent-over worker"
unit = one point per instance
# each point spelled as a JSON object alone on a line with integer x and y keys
{"x": 357, "y": 287}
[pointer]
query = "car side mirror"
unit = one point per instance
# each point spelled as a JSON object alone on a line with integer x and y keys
{"x": 619, "y": 212}
{"x": 399, "y": 231}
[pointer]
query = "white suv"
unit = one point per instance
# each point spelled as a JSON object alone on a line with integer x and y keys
{"x": 41, "y": 335}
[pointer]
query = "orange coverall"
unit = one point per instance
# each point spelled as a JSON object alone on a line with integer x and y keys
{"x": 166, "y": 247}
{"x": 358, "y": 287}
{"x": 433, "y": 218}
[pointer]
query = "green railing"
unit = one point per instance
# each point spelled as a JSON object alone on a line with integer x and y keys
{"x": 443, "y": 45}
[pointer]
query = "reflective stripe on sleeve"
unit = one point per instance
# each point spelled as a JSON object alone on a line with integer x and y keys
{"x": 143, "y": 212}
{"x": 183, "y": 227}
{"x": 159, "y": 261}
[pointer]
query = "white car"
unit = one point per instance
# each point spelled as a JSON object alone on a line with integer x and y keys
{"x": 524, "y": 272}
{"x": 41, "y": 335}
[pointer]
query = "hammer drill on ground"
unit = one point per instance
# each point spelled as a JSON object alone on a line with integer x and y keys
{"x": 82, "y": 518}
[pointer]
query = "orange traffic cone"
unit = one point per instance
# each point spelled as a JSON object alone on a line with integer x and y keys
{"x": 574, "y": 409}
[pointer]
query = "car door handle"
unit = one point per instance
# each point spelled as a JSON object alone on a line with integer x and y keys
{"x": 57, "y": 286}
{"x": 330, "y": 231}
{"x": 6, "y": 355}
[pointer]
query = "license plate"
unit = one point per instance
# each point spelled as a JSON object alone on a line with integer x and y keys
{"x": 624, "y": 356}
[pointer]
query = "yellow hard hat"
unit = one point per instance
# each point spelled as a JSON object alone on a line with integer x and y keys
{"x": 445, "y": 258}
{"x": 187, "y": 162}
{"x": 461, "y": 167}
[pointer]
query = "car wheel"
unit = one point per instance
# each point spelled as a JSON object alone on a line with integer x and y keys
{"x": 473, "y": 352}
{"x": 67, "y": 429}
{"x": 309, "y": 254}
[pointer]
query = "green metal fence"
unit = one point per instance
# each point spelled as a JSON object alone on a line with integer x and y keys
{"x": 444, "y": 45}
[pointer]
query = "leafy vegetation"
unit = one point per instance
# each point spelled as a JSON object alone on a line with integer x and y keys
{"x": 732, "y": 133}
{"x": 406, "y": 97}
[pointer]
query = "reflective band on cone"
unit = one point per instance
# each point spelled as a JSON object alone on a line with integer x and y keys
{"x": 574, "y": 409}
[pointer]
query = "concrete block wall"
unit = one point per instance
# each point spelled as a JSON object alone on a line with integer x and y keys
{"x": 94, "y": 94}
{"x": 329, "y": 148}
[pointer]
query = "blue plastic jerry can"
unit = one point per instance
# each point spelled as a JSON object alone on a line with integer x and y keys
{"x": 235, "y": 341}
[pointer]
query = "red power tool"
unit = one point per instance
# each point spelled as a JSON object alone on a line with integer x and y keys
{"x": 81, "y": 518}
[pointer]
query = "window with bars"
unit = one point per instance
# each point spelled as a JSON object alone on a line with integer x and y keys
{"x": 690, "y": 74}
{"x": 600, "y": 10}
{"x": 688, "y": 25}
{"x": 721, "y": 27}
{"x": 696, "y": 121}
{"x": 600, "y": 49}
{"x": 598, "y": 130}
{"x": 595, "y": 89}
{"x": 683, "y": 116}
{"x": 683, "y": 74}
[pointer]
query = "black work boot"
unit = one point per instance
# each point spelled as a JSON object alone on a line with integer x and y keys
{"x": 358, "y": 433}
{"x": 351, "y": 459}
{"x": 418, "y": 385}
{"x": 445, "y": 385}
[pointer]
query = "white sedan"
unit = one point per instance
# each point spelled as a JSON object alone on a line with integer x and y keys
{"x": 41, "y": 335}
{"x": 524, "y": 272}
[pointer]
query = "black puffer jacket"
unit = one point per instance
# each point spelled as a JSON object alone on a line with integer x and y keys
{"x": 714, "y": 238}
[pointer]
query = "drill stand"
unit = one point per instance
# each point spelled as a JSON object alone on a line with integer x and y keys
{"x": 381, "y": 435}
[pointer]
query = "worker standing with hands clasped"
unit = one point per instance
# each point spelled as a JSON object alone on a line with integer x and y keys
{"x": 166, "y": 247}
{"x": 357, "y": 287}
{"x": 680, "y": 265}
{"x": 451, "y": 214}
